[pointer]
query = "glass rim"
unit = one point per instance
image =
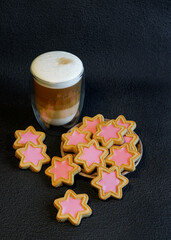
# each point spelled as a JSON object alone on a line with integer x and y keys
{"x": 58, "y": 85}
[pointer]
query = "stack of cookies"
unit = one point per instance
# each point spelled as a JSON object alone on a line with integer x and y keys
{"x": 105, "y": 149}
{"x": 30, "y": 149}
{"x": 96, "y": 148}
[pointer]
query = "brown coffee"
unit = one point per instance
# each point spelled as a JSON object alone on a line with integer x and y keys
{"x": 57, "y": 105}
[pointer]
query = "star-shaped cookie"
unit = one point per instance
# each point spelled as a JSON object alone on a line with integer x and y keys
{"x": 91, "y": 155}
{"x": 109, "y": 133}
{"x": 109, "y": 182}
{"x": 123, "y": 156}
{"x": 132, "y": 139}
{"x": 72, "y": 207}
{"x": 32, "y": 156}
{"x": 130, "y": 125}
{"x": 73, "y": 138}
{"x": 28, "y": 135}
{"x": 62, "y": 170}
{"x": 90, "y": 124}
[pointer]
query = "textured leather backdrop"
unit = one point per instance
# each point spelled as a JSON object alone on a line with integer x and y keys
{"x": 124, "y": 46}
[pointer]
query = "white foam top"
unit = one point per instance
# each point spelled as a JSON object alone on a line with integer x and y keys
{"x": 57, "y": 69}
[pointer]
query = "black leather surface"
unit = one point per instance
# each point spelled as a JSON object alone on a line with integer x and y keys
{"x": 125, "y": 47}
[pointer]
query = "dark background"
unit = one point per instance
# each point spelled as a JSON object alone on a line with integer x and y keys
{"x": 125, "y": 47}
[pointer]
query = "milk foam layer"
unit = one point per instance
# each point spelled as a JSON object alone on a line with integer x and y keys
{"x": 57, "y": 69}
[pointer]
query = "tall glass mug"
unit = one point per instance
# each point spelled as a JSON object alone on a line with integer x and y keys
{"x": 58, "y": 89}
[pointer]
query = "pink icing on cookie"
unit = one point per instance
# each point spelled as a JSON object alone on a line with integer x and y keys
{"x": 29, "y": 136}
{"x": 109, "y": 182}
{"x": 91, "y": 125}
{"x": 72, "y": 206}
{"x": 123, "y": 124}
{"x": 33, "y": 155}
{"x": 121, "y": 156}
{"x": 61, "y": 169}
{"x": 127, "y": 139}
{"x": 76, "y": 138}
{"x": 91, "y": 155}
{"x": 109, "y": 132}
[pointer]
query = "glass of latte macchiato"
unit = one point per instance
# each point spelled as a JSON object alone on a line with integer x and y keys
{"x": 58, "y": 89}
